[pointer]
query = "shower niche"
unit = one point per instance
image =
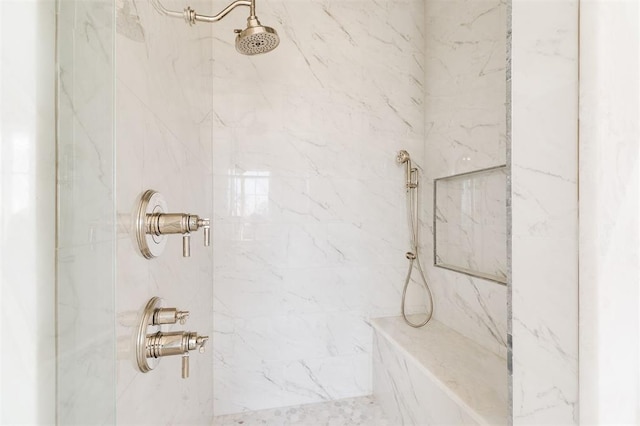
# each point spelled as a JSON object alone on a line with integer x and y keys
{"x": 470, "y": 223}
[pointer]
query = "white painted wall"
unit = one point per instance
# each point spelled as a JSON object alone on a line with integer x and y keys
{"x": 609, "y": 212}
{"x": 27, "y": 212}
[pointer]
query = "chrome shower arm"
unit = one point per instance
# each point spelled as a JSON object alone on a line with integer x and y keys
{"x": 191, "y": 16}
{"x": 160, "y": 8}
{"x": 224, "y": 12}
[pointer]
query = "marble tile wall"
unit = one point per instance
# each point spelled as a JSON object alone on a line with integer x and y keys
{"x": 609, "y": 212}
{"x": 309, "y": 206}
{"x": 27, "y": 203}
{"x": 86, "y": 231}
{"x": 163, "y": 142}
{"x": 465, "y": 119}
{"x": 544, "y": 192}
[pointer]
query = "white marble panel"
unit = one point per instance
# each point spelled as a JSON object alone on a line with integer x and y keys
{"x": 466, "y": 89}
{"x": 248, "y": 389}
{"x": 309, "y": 203}
{"x": 544, "y": 192}
{"x": 281, "y": 383}
{"x": 465, "y": 120}
{"x": 373, "y": 291}
{"x": 331, "y": 378}
{"x": 470, "y": 305}
{"x": 246, "y": 342}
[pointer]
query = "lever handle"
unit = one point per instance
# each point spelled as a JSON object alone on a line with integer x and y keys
{"x": 200, "y": 342}
{"x": 205, "y": 223}
{"x": 186, "y": 245}
{"x": 207, "y": 236}
{"x": 182, "y": 316}
{"x": 185, "y": 365}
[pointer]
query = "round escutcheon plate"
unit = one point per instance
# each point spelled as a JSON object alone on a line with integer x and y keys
{"x": 150, "y": 245}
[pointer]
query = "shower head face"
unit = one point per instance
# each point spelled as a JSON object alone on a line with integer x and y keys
{"x": 402, "y": 157}
{"x": 256, "y": 38}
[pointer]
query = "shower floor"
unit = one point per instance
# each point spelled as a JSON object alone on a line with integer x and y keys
{"x": 344, "y": 412}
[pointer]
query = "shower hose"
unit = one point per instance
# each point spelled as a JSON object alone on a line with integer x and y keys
{"x": 413, "y": 256}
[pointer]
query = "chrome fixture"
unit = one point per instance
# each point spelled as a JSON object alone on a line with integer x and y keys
{"x": 169, "y": 316}
{"x": 412, "y": 178}
{"x": 403, "y": 157}
{"x": 157, "y": 344}
{"x": 253, "y": 40}
{"x": 152, "y": 224}
{"x": 256, "y": 38}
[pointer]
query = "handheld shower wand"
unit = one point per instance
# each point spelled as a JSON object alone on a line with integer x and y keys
{"x": 413, "y": 210}
{"x": 404, "y": 157}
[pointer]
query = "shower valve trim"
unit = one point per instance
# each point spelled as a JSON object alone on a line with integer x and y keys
{"x": 153, "y": 223}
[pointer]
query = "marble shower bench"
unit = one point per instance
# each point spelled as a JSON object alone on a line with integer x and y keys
{"x": 434, "y": 375}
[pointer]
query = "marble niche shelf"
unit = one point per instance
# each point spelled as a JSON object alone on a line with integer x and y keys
{"x": 434, "y": 375}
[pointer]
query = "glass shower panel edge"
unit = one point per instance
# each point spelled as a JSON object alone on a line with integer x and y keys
{"x": 86, "y": 232}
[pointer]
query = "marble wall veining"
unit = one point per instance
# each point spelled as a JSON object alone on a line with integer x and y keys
{"x": 544, "y": 212}
{"x": 407, "y": 394}
{"x": 309, "y": 220}
{"x": 465, "y": 118}
{"x": 163, "y": 142}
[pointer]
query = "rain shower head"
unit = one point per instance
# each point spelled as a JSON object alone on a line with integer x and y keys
{"x": 256, "y": 38}
{"x": 402, "y": 157}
